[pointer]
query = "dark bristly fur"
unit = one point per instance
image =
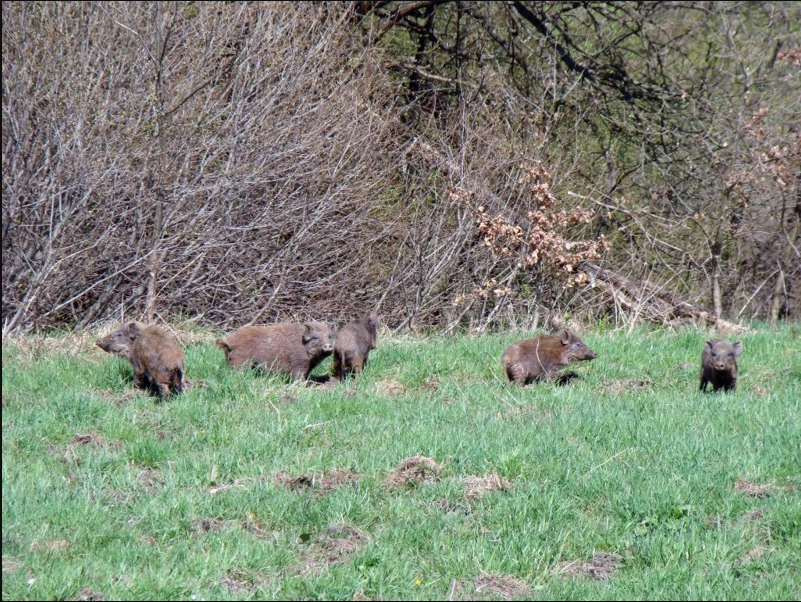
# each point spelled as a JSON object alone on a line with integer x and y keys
{"x": 156, "y": 359}
{"x": 543, "y": 356}
{"x": 719, "y": 365}
{"x": 287, "y": 347}
{"x": 353, "y": 345}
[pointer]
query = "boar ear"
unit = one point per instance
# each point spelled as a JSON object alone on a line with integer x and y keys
{"x": 710, "y": 344}
{"x": 224, "y": 346}
{"x": 308, "y": 332}
{"x": 565, "y": 336}
{"x": 134, "y": 328}
{"x": 738, "y": 348}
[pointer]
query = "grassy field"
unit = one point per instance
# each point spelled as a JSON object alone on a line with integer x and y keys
{"x": 430, "y": 478}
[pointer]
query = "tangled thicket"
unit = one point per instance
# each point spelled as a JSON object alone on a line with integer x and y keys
{"x": 239, "y": 162}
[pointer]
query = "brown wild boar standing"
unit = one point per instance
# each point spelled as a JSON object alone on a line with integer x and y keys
{"x": 719, "y": 365}
{"x": 156, "y": 359}
{"x": 353, "y": 345}
{"x": 288, "y": 347}
{"x": 543, "y": 356}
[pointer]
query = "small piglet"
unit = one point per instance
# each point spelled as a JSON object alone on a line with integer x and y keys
{"x": 156, "y": 359}
{"x": 287, "y": 347}
{"x": 541, "y": 357}
{"x": 719, "y": 364}
{"x": 353, "y": 345}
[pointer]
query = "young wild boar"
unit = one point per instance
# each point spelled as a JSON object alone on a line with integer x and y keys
{"x": 353, "y": 345}
{"x": 719, "y": 365}
{"x": 157, "y": 361}
{"x": 541, "y": 357}
{"x": 288, "y": 347}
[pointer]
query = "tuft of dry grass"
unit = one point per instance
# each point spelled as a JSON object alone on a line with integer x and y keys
{"x": 414, "y": 470}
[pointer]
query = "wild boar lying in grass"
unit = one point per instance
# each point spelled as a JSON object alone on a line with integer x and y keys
{"x": 353, "y": 345}
{"x": 287, "y": 347}
{"x": 157, "y": 360}
{"x": 542, "y": 357}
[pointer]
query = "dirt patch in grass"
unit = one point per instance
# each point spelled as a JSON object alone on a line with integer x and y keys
{"x": 753, "y": 515}
{"x": 11, "y": 565}
{"x": 476, "y": 487}
{"x": 151, "y": 480}
{"x": 239, "y": 582}
{"x": 600, "y": 567}
{"x": 445, "y": 505}
{"x": 491, "y": 587}
{"x": 87, "y": 593}
{"x": 119, "y": 398}
{"x": 754, "y": 554}
{"x": 624, "y": 385}
{"x": 256, "y": 527}
{"x": 751, "y": 489}
{"x": 340, "y": 541}
{"x": 56, "y": 545}
{"x": 208, "y": 525}
{"x": 89, "y": 439}
{"x": 429, "y": 384}
{"x": 391, "y": 387}
{"x": 327, "y": 481}
{"x": 251, "y": 524}
{"x": 415, "y": 470}
{"x": 335, "y": 545}
{"x": 70, "y": 455}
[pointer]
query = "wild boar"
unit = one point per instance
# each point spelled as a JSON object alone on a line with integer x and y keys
{"x": 543, "y": 356}
{"x": 353, "y": 345}
{"x": 287, "y": 347}
{"x": 719, "y": 365}
{"x": 156, "y": 359}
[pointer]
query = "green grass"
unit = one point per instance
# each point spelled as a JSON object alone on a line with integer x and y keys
{"x": 186, "y": 499}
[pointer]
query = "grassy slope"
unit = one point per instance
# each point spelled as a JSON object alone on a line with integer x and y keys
{"x": 630, "y": 460}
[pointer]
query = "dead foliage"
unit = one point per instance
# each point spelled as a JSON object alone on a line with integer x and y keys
{"x": 150, "y": 479}
{"x": 256, "y": 527}
{"x": 327, "y": 481}
{"x": 507, "y": 587}
{"x": 239, "y": 582}
{"x": 625, "y": 385}
{"x": 600, "y": 567}
{"x": 87, "y": 594}
{"x": 476, "y": 487}
{"x": 214, "y": 489}
{"x": 751, "y": 489}
{"x": 754, "y": 554}
{"x": 11, "y": 565}
{"x": 56, "y": 545}
{"x": 89, "y": 439}
{"x": 415, "y": 470}
{"x": 208, "y": 525}
{"x": 119, "y": 398}
{"x": 391, "y": 387}
{"x": 335, "y": 545}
